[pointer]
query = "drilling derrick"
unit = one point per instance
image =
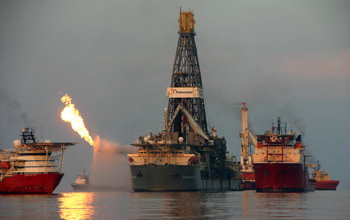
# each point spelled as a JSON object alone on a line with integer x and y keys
{"x": 186, "y": 87}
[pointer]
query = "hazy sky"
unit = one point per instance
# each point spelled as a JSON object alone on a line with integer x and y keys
{"x": 115, "y": 58}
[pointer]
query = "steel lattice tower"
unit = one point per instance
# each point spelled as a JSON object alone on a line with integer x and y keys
{"x": 186, "y": 83}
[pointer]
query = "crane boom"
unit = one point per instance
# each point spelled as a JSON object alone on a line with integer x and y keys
{"x": 193, "y": 123}
{"x": 252, "y": 139}
{"x": 247, "y": 136}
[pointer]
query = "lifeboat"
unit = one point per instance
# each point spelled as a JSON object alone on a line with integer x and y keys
{"x": 4, "y": 165}
{"x": 131, "y": 160}
{"x": 194, "y": 159}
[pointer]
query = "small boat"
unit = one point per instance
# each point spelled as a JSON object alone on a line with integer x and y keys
{"x": 82, "y": 183}
{"x": 323, "y": 180}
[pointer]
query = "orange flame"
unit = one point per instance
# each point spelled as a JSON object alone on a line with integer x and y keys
{"x": 72, "y": 115}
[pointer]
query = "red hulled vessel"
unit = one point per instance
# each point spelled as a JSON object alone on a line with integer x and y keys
{"x": 279, "y": 162}
{"x": 322, "y": 179}
{"x": 31, "y": 168}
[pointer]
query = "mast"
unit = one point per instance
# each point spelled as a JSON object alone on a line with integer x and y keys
{"x": 186, "y": 87}
{"x": 28, "y": 136}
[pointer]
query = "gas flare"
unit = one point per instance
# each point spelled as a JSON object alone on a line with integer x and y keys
{"x": 72, "y": 115}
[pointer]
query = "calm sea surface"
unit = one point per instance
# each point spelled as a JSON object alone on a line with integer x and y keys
{"x": 177, "y": 205}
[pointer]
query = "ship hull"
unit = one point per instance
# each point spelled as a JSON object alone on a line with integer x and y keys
{"x": 282, "y": 177}
{"x": 94, "y": 188}
{"x": 82, "y": 187}
{"x": 247, "y": 185}
{"x": 165, "y": 178}
{"x": 327, "y": 185}
{"x": 177, "y": 178}
{"x": 30, "y": 183}
{"x": 248, "y": 181}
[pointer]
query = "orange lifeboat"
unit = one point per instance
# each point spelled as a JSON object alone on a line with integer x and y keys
{"x": 194, "y": 159}
{"x": 131, "y": 160}
{"x": 4, "y": 165}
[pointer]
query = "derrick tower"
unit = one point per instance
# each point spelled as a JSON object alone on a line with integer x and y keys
{"x": 186, "y": 87}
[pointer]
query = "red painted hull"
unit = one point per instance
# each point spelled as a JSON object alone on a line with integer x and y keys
{"x": 248, "y": 181}
{"x": 327, "y": 185}
{"x": 282, "y": 177}
{"x": 247, "y": 185}
{"x": 30, "y": 183}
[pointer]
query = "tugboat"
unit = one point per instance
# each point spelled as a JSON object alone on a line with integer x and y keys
{"x": 32, "y": 167}
{"x": 322, "y": 179}
{"x": 279, "y": 162}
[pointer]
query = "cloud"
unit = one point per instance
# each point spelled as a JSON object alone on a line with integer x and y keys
{"x": 336, "y": 65}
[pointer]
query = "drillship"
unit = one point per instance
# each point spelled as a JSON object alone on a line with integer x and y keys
{"x": 184, "y": 156}
{"x": 279, "y": 162}
{"x": 32, "y": 167}
{"x": 322, "y": 179}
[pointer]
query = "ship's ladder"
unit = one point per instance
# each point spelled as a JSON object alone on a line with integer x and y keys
{"x": 9, "y": 172}
{"x": 159, "y": 155}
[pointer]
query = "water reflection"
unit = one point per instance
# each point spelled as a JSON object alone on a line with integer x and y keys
{"x": 273, "y": 205}
{"x": 76, "y": 205}
{"x": 184, "y": 205}
{"x": 246, "y": 204}
{"x": 177, "y": 205}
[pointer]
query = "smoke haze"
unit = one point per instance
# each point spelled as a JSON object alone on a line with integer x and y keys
{"x": 14, "y": 111}
{"x": 110, "y": 165}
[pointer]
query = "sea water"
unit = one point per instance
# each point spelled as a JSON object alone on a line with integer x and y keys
{"x": 177, "y": 205}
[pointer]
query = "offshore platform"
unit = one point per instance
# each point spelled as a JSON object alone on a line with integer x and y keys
{"x": 184, "y": 156}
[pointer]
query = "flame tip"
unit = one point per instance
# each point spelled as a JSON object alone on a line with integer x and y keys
{"x": 72, "y": 115}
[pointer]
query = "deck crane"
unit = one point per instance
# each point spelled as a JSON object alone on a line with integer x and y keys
{"x": 248, "y": 177}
